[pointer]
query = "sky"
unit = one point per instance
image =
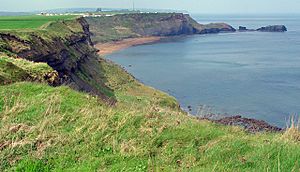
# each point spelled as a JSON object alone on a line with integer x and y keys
{"x": 193, "y": 6}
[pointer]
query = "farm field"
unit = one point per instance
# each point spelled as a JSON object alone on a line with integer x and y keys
{"x": 28, "y": 22}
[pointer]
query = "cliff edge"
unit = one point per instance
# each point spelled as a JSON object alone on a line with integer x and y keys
{"x": 67, "y": 48}
{"x": 122, "y": 26}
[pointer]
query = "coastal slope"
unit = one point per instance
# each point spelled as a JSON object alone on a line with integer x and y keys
{"x": 62, "y": 128}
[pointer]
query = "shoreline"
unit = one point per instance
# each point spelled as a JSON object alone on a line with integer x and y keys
{"x": 111, "y": 47}
{"x": 251, "y": 125}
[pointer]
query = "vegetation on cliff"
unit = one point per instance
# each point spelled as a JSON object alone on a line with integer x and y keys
{"x": 47, "y": 128}
{"x": 117, "y": 27}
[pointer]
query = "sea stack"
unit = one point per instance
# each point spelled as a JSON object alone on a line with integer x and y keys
{"x": 242, "y": 28}
{"x": 273, "y": 28}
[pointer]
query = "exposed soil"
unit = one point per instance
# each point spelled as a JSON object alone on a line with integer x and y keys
{"x": 108, "y": 48}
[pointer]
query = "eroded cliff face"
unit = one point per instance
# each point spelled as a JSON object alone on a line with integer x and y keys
{"x": 67, "y": 48}
{"x": 117, "y": 27}
{"x": 159, "y": 24}
{"x": 61, "y": 53}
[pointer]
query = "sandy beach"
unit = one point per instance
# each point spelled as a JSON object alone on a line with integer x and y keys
{"x": 108, "y": 48}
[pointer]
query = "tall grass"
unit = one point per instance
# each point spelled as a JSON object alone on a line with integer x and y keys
{"x": 293, "y": 129}
{"x": 58, "y": 129}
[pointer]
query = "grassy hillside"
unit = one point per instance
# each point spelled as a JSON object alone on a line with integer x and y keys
{"x": 28, "y": 22}
{"x": 58, "y": 129}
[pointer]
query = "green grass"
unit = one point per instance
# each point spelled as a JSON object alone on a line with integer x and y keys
{"x": 49, "y": 28}
{"x": 58, "y": 129}
{"x": 28, "y": 22}
{"x": 16, "y": 70}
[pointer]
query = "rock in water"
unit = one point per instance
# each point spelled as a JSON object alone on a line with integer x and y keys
{"x": 242, "y": 28}
{"x": 273, "y": 28}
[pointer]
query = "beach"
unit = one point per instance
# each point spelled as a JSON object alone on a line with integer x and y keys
{"x": 108, "y": 48}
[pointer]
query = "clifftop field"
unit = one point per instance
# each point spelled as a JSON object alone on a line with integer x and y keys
{"x": 70, "y": 128}
{"x": 28, "y": 22}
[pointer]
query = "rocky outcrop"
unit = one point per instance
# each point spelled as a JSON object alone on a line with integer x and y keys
{"x": 245, "y": 29}
{"x": 250, "y": 125}
{"x": 213, "y": 28}
{"x": 273, "y": 28}
{"x": 242, "y": 28}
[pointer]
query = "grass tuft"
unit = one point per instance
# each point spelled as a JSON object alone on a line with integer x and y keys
{"x": 16, "y": 70}
{"x": 292, "y": 132}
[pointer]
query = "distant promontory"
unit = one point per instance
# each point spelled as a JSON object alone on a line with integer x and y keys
{"x": 270, "y": 28}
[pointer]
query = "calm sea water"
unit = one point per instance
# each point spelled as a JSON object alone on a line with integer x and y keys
{"x": 252, "y": 74}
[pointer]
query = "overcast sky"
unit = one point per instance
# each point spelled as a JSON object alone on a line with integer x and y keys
{"x": 194, "y": 6}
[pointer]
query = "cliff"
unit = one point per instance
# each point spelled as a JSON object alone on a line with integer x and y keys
{"x": 67, "y": 48}
{"x": 117, "y": 27}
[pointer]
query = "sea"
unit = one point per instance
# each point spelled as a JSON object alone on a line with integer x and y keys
{"x": 252, "y": 74}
